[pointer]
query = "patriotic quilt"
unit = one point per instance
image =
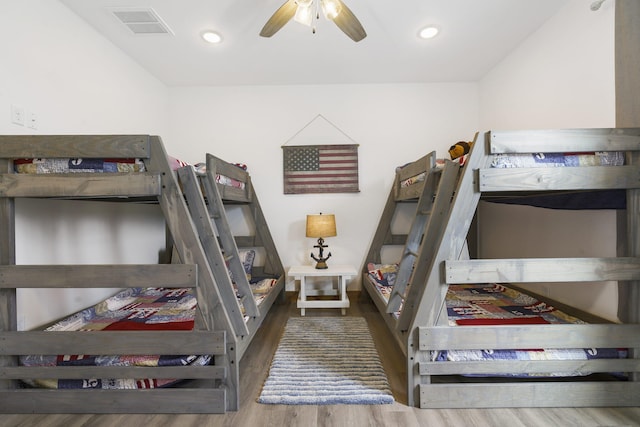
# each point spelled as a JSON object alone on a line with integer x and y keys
{"x": 136, "y": 309}
{"x": 383, "y": 277}
{"x": 82, "y": 165}
{"x": 77, "y": 165}
{"x": 538, "y": 160}
{"x": 201, "y": 169}
{"x": 495, "y": 304}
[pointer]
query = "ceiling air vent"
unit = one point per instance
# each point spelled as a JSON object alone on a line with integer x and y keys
{"x": 141, "y": 21}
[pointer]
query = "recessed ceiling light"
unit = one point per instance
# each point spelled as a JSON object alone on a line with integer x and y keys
{"x": 428, "y": 32}
{"x": 211, "y": 37}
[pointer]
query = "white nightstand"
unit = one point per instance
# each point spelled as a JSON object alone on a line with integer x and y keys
{"x": 342, "y": 272}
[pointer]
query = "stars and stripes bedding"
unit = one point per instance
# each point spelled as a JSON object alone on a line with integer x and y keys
{"x": 81, "y": 165}
{"x": 541, "y": 160}
{"x": 77, "y": 165}
{"x": 495, "y": 304}
{"x": 135, "y": 309}
{"x": 538, "y": 160}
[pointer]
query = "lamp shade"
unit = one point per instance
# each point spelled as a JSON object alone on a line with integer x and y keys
{"x": 321, "y": 225}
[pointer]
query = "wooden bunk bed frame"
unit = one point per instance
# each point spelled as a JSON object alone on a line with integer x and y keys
{"x": 431, "y": 197}
{"x": 207, "y": 200}
{"x": 207, "y": 389}
{"x": 449, "y": 384}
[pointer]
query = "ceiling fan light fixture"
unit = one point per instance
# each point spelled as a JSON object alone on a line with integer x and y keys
{"x": 304, "y": 13}
{"x": 211, "y": 37}
{"x": 428, "y": 32}
{"x": 331, "y": 8}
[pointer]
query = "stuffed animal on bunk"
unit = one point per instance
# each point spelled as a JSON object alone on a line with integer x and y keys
{"x": 459, "y": 149}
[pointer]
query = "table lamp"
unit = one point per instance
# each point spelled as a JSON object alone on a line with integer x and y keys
{"x": 321, "y": 226}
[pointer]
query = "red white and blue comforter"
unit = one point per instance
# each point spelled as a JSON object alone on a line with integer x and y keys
{"x": 136, "y": 309}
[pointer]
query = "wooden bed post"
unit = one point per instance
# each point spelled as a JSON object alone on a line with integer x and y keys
{"x": 189, "y": 248}
{"x": 627, "y": 83}
{"x": 8, "y": 310}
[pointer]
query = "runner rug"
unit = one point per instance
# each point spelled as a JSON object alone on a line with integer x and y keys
{"x": 326, "y": 361}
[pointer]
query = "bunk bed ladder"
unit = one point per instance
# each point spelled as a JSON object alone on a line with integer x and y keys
{"x": 424, "y": 234}
{"x": 246, "y": 199}
{"x": 213, "y": 252}
{"x": 428, "y": 298}
{"x": 227, "y": 242}
{"x": 434, "y": 228}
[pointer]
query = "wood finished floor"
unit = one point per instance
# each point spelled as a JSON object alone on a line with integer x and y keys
{"x": 254, "y": 370}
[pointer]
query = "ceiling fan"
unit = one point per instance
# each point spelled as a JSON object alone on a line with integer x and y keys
{"x": 304, "y": 11}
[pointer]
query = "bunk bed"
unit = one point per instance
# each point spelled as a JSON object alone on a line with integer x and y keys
{"x": 142, "y": 173}
{"x": 247, "y": 267}
{"x": 436, "y": 328}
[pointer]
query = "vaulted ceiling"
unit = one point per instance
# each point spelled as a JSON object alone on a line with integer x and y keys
{"x": 474, "y": 36}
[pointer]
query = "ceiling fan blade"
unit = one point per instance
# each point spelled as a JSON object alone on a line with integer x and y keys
{"x": 349, "y": 24}
{"x": 279, "y": 18}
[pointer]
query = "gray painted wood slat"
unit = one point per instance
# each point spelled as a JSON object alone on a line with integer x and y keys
{"x": 137, "y": 372}
{"x": 505, "y": 367}
{"x": 519, "y": 395}
{"x": 80, "y": 185}
{"x": 423, "y": 164}
{"x": 98, "y": 276}
{"x": 152, "y": 401}
{"x": 216, "y": 165}
{"x": 74, "y": 146}
{"x": 528, "y": 336}
{"x": 8, "y": 300}
{"x": 540, "y": 270}
{"x": 565, "y": 178}
{"x": 112, "y": 342}
{"x": 564, "y": 140}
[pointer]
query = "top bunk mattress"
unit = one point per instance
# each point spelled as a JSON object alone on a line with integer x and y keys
{"x": 76, "y": 165}
{"x": 542, "y": 160}
{"x": 572, "y": 200}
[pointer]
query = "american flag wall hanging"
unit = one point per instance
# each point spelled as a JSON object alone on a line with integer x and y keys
{"x": 320, "y": 169}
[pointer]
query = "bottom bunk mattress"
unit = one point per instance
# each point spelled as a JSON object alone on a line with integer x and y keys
{"x": 260, "y": 286}
{"x": 135, "y": 309}
{"x": 496, "y": 304}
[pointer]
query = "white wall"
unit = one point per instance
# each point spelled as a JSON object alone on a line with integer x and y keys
{"x": 560, "y": 77}
{"x": 393, "y": 125}
{"x": 75, "y": 81}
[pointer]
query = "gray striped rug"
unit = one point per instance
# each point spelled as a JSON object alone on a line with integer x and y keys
{"x": 326, "y": 361}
